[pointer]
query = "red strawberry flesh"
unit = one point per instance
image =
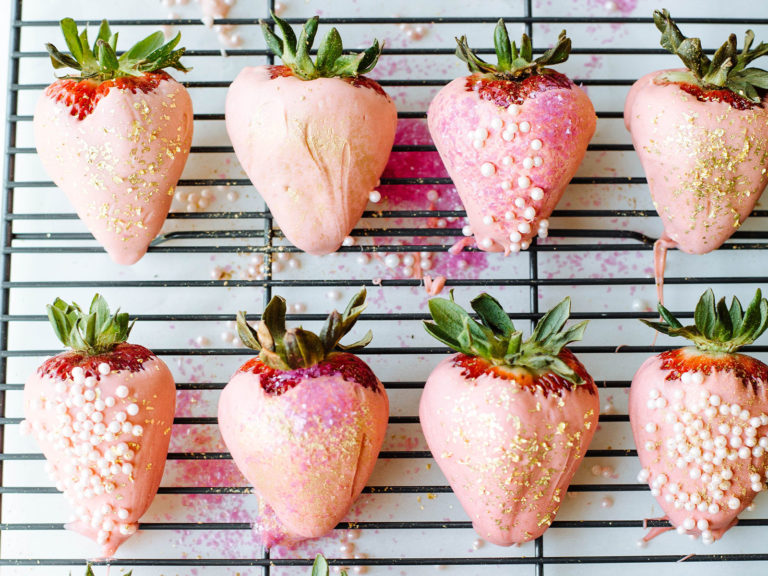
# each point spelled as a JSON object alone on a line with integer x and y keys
{"x": 349, "y": 366}
{"x": 124, "y": 357}
{"x": 505, "y": 92}
{"x": 473, "y": 367}
{"x": 748, "y": 370}
{"x": 82, "y": 96}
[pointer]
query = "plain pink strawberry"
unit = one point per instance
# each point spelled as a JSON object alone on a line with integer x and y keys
{"x": 102, "y": 414}
{"x": 699, "y": 416}
{"x": 511, "y": 137}
{"x": 313, "y": 137}
{"x": 304, "y": 421}
{"x": 116, "y": 135}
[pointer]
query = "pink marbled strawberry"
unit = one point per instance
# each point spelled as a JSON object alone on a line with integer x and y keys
{"x": 511, "y": 136}
{"x": 304, "y": 421}
{"x": 699, "y": 416}
{"x": 507, "y": 421}
{"x": 102, "y": 414}
{"x": 115, "y": 136}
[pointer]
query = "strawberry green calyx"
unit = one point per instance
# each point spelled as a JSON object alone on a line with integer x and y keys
{"x": 495, "y": 339}
{"x": 718, "y": 328}
{"x": 320, "y": 567}
{"x": 330, "y": 62}
{"x": 728, "y": 67}
{"x": 92, "y": 333}
{"x": 285, "y": 349}
{"x": 101, "y": 62}
{"x": 513, "y": 64}
{"x": 89, "y": 571}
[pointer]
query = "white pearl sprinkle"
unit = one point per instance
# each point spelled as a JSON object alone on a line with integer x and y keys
{"x": 651, "y": 427}
{"x": 374, "y": 196}
{"x": 506, "y": 185}
{"x": 508, "y": 134}
{"x": 486, "y": 243}
{"x": 121, "y": 392}
{"x": 515, "y": 247}
{"x": 104, "y": 369}
{"x": 689, "y": 523}
{"x": 487, "y": 169}
{"x": 513, "y": 109}
{"x": 509, "y": 216}
{"x": 481, "y": 134}
{"x": 520, "y": 202}
{"x": 713, "y": 508}
{"x": 122, "y": 513}
{"x": 132, "y": 409}
{"x": 525, "y": 127}
{"x": 733, "y": 503}
{"x": 643, "y": 475}
{"x": 467, "y": 230}
{"x": 478, "y": 143}
{"x": 524, "y": 227}
{"x": 515, "y": 237}
{"x": 537, "y": 161}
{"x": 348, "y": 241}
{"x": 497, "y": 123}
{"x": 529, "y": 213}
{"x": 528, "y": 163}
{"x": 90, "y": 382}
{"x": 507, "y": 160}
{"x": 487, "y": 220}
{"x": 120, "y": 417}
{"x": 109, "y": 401}
{"x": 78, "y": 374}
{"x": 536, "y": 144}
{"x": 523, "y": 182}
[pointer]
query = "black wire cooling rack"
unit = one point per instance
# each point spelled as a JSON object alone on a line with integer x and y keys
{"x": 569, "y": 238}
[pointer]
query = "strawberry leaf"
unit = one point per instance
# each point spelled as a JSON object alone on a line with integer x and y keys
{"x": 493, "y": 315}
{"x": 329, "y": 51}
{"x": 513, "y": 64}
{"x": 247, "y": 333}
{"x": 320, "y": 567}
{"x": 69, "y": 30}
{"x": 102, "y": 62}
{"x": 498, "y": 342}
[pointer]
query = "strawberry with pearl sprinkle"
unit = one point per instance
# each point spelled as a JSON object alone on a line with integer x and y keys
{"x": 107, "y": 455}
{"x": 507, "y": 421}
{"x": 527, "y": 130}
{"x": 699, "y": 416}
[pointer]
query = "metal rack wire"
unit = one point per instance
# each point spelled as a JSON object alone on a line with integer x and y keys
{"x": 205, "y": 242}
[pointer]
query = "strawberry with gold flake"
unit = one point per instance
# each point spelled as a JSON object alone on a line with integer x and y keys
{"x": 508, "y": 421}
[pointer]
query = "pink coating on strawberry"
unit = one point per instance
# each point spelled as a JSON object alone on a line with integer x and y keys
{"x": 102, "y": 415}
{"x": 115, "y": 135}
{"x": 313, "y": 136}
{"x": 304, "y": 421}
{"x": 511, "y": 137}
{"x": 699, "y": 417}
{"x": 508, "y": 421}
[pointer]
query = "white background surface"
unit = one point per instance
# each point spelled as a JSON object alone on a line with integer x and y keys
{"x": 389, "y": 543}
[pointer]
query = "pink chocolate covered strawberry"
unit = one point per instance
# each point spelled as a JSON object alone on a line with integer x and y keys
{"x": 700, "y": 417}
{"x": 102, "y": 413}
{"x": 304, "y": 421}
{"x": 507, "y": 421}
{"x": 511, "y": 136}
{"x": 115, "y": 135}
{"x": 313, "y": 137}
{"x": 700, "y": 133}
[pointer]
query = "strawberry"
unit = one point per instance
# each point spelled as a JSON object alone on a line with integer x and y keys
{"x": 700, "y": 133}
{"x": 116, "y": 135}
{"x": 313, "y": 137}
{"x": 304, "y": 421}
{"x": 699, "y": 416}
{"x": 507, "y": 421}
{"x": 511, "y": 137}
{"x": 102, "y": 414}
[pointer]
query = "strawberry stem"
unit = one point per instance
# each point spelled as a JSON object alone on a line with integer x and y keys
{"x": 727, "y": 69}
{"x": 495, "y": 338}
{"x": 96, "y": 332}
{"x": 330, "y": 61}
{"x": 102, "y": 63}
{"x": 718, "y": 328}
{"x": 285, "y": 349}
{"x": 513, "y": 64}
